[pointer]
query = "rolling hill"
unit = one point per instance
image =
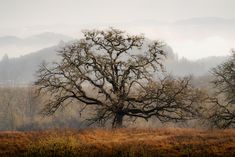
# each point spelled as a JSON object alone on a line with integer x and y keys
{"x": 22, "y": 70}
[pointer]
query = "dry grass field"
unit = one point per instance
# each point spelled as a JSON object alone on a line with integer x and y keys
{"x": 119, "y": 142}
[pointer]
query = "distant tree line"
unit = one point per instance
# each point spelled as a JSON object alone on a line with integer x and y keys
{"x": 21, "y": 107}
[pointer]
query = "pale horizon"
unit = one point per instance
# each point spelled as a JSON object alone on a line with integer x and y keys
{"x": 193, "y": 29}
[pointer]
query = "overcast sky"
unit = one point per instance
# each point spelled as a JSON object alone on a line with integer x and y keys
{"x": 17, "y": 16}
{"x": 38, "y": 12}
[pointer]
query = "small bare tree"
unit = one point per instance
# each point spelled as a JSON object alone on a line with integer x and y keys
{"x": 223, "y": 109}
{"x": 112, "y": 72}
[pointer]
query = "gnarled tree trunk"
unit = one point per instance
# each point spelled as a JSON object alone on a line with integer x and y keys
{"x": 118, "y": 120}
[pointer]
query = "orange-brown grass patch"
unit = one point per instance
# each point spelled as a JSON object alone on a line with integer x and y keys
{"x": 119, "y": 142}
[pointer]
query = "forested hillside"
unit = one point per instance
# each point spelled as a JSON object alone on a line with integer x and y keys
{"x": 21, "y": 70}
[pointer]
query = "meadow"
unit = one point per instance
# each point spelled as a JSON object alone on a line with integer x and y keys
{"x": 118, "y": 142}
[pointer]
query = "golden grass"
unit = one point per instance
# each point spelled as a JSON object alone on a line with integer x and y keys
{"x": 119, "y": 142}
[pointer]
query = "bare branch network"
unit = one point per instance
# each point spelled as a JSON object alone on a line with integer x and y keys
{"x": 223, "y": 110}
{"x": 113, "y": 73}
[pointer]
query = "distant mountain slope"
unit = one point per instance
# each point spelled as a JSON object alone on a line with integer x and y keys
{"x": 206, "y": 21}
{"x": 199, "y": 28}
{"x": 182, "y": 67}
{"x": 22, "y": 70}
{"x": 14, "y": 46}
{"x": 8, "y": 40}
{"x": 39, "y": 39}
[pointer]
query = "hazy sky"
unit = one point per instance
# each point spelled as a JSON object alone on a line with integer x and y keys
{"x": 26, "y": 17}
{"x": 38, "y": 12}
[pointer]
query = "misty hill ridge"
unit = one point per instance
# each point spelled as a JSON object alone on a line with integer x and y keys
{"x": 39, "y": 39}
{"x": 198, "y": 21}
{"x": 22, "y": 70}
{"x": 206, "y": 21}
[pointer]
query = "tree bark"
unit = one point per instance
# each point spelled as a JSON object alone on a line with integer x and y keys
{"x": 118, "y": 120}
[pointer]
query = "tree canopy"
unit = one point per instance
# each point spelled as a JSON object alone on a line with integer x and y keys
{"x": 117, "y": 75}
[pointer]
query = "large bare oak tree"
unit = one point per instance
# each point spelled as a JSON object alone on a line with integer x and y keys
{"x": 114, "y": 74}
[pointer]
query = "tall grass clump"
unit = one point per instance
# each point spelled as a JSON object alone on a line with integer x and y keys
{"x": 54, "y": 145}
